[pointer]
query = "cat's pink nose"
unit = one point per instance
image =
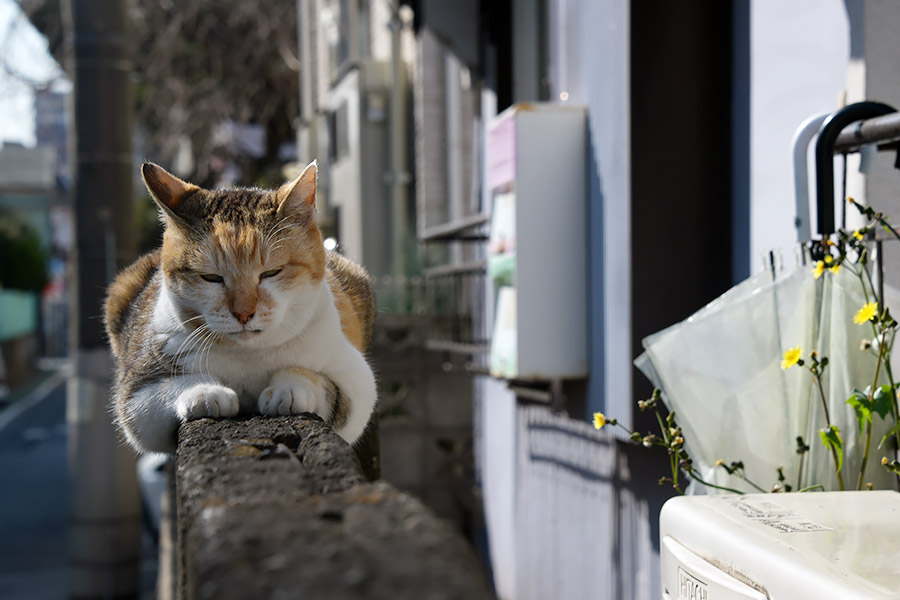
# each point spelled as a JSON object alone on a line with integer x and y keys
{"x": 243, "y": 317}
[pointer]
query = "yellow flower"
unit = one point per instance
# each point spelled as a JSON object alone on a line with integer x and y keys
{"x": 858, "y": 235}
{"x": 866, "y": 313}
{"x": 820, "y": 268}
{"x": 829, "y": 259}
{"x": 599, "y": 420}
{"x": 851, "y": 200}
{"x": 884, "y": 460}
{"x": 790, "y": 358}
{"x": 835, "y": 269}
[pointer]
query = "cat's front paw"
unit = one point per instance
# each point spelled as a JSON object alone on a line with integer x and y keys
{"x": 207, "y": 400}
{"x": 292, "y": 394}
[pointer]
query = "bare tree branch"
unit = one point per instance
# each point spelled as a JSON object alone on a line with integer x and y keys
{"x": 199, "y": 64}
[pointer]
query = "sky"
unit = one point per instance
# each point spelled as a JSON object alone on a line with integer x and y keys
{"x": 25, "y": 63}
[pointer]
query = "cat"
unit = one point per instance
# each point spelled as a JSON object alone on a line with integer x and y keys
{"x": 240, "y": 310}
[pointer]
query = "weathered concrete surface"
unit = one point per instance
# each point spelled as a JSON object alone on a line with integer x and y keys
{"x": 278, "y": 508}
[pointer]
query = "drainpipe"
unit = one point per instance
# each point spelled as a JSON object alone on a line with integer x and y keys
{"x": 398, "y": 176}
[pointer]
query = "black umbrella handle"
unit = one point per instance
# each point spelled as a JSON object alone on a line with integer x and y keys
{"x": 828, "y": 134}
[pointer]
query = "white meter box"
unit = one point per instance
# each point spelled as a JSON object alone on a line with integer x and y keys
{"x": 537, "y": 254}
{"x": 822, "y": 545}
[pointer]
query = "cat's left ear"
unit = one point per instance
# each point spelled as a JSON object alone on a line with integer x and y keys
{"x": 298, "y": 197}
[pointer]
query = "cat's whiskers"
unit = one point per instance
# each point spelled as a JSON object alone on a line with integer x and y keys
{"x": 278, "y": 243}
{"x": 193, "y": 228}
{"x": 190, "y": 341}
{"x": 186, "y": 321}
{"x": 207, "y": 345}
{"x": 176, "y": 355}
{"x": 271, "y": 241}
{"x": 276, "y": 229}
{"x": 201, "y": 353}
{"x": 204, "y": 347}
{"x": 193, "y": 334}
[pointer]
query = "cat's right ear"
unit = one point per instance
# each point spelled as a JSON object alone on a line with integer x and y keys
{"x": 298, "y": 197}
{"x": 167, "y": 190}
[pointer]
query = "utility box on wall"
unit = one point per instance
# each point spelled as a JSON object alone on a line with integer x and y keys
{"x": 535, "y": 168}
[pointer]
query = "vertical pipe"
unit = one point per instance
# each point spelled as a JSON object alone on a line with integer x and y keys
{"x": 800, "y": 151}
{"x": 104, "y": 526}
{"x": 399, "y": 175}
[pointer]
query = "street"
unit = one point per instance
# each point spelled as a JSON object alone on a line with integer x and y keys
{"x": 34, "y": 498}
{"x": 34, "y": 494}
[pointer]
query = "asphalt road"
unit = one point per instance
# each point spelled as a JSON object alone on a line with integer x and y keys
{"x": 34, "y": 494}
{"x": 34, "y": 498}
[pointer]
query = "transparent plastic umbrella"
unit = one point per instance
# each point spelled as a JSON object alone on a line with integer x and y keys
{"x": 720, "y": 371}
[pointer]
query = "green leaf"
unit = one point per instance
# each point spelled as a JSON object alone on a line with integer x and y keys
{"x": 883, "y": 400}
{"x": 862, "y": 407}
{"x": 894, "y": 431}
{"x": 831, "y": 437}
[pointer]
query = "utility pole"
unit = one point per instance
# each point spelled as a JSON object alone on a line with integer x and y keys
{"x": 399, "y": 174}
{"x": 105, "y": 509}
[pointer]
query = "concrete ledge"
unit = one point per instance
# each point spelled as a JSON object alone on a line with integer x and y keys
{"x": 278, "y": 508}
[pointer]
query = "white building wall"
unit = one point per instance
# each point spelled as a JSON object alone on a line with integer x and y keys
{"x": 345, "y": 176}
{"x": 799, "y": 54}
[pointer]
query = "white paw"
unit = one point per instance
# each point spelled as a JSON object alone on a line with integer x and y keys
{"x": 207, "y": 400}
{"x": 292, "y": 395}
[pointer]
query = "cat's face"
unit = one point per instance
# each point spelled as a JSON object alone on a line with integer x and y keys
{"x": 243, "y": 263}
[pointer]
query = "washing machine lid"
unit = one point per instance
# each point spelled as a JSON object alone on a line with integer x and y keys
{"x": 818, "y": 544}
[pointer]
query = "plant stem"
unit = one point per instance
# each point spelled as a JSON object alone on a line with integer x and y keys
{"x": 887, "y": 227}
{"x": 822, "y": 396}
{"x": 828, "y": 423}
{"x": 712, "y": 485}
{"x": 818, "y": 486}
{"x": 865, "y": 459}
{"x": 755, "y": 486}
{"x": 871, "y": 285}
{"x": 674, "y": 465}
{"x": 862, "y": 282}
{"x": 895, "y": 410}
{"x": 890, "y": 375}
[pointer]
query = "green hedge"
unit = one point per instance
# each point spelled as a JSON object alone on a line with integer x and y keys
{"x": 23, "y": 264}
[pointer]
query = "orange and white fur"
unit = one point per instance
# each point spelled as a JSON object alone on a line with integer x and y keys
{"x": 241, "y": 310}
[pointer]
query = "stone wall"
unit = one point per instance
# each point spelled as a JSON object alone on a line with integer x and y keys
{"x": 278, "y": 508}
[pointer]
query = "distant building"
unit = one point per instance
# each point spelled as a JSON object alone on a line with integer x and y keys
{"x": 50, "y": 127}
{"x": 28, "y": 186}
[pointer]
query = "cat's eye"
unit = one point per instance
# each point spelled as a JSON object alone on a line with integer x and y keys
{"x": 269, "y": 273}
{"x": 212, "y": 278}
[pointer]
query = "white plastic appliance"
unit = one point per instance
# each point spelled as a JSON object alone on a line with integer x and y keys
{"x": 821, "y": 545}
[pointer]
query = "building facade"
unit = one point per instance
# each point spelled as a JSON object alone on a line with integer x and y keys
{"x": 689, "y": 109}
